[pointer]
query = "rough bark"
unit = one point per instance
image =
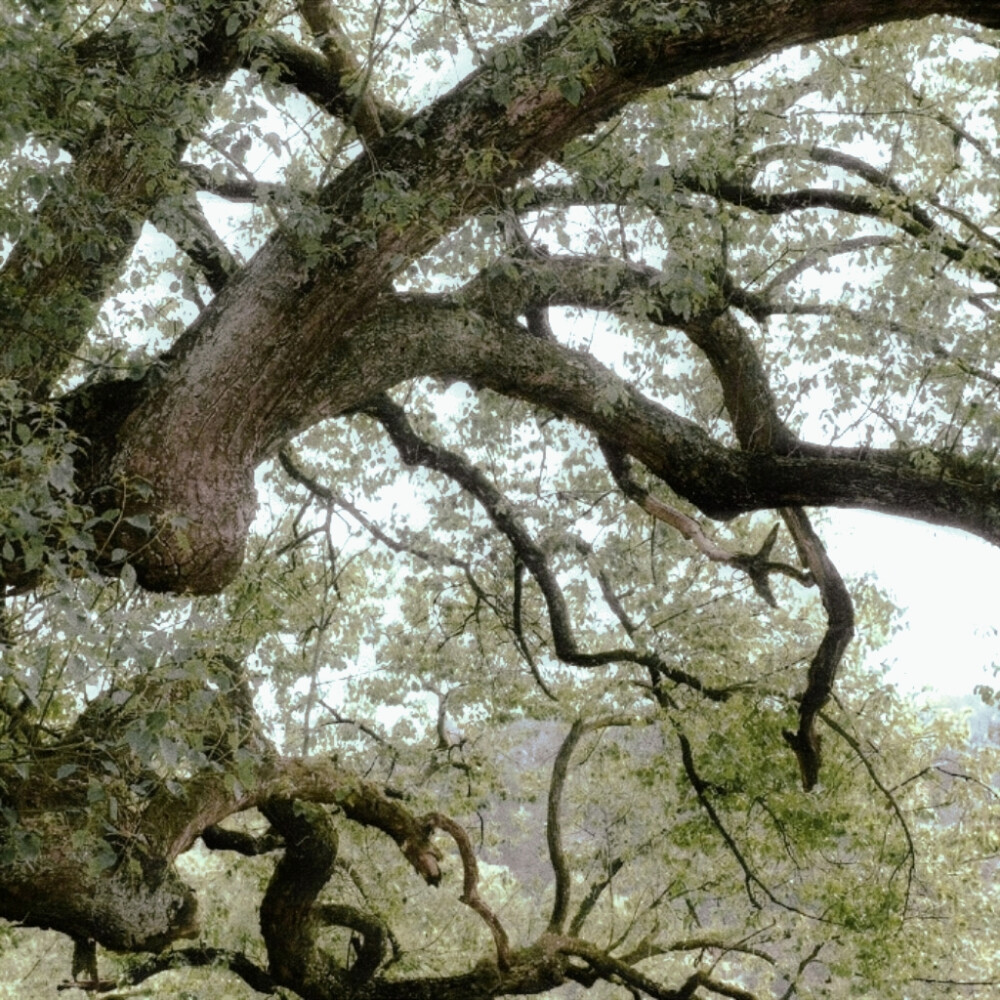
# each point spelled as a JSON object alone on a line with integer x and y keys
{"x": 255, "y": 367}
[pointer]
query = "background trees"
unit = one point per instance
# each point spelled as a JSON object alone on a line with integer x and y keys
{"x": 532, "y": 673}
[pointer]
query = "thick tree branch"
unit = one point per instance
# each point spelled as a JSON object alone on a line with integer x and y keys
{"x": 327, "y": 78}
{"x": 217, "y": 838}
{"x": 184, "y": 221}
{"x": 364, "y": 114}
{"x": 199, "y": 958}
{"x": 757, "y": 565}
{"x": 553, "y": 827}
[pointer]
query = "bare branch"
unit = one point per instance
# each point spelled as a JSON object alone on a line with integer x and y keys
{"x": 757, "y": 565}
{"x": 839, "y": 631}
{"x": 589, "y": 901}
{"x": 415, "y": 450}
{"x": 470, "y": 886}
{"x": 199, "y": 958}
{"x": 887, "y": 793}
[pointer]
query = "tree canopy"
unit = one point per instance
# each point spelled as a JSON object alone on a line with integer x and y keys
{"x": 418, "y": 421}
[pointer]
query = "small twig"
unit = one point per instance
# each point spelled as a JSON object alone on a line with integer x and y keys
{"x": 911, "y": 850}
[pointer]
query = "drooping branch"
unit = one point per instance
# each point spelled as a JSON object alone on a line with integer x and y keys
{"x": 730, "y": 353}
{"x": 902, "y": 210}
{"x": 839, "y": 631}
{"x": 702, "y": 789}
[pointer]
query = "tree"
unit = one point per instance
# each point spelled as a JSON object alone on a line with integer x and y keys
{"x": 783, "y": 214}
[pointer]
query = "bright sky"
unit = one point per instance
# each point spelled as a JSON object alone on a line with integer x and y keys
{"x": 946, "y": 583}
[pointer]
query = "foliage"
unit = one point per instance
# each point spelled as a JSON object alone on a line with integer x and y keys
{"x": 407, "y": 419}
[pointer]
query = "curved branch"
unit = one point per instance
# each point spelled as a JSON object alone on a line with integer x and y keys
{"x": 757, "y": 565}
{"x": 753, "y": 412}
{"x": 368, "y": 949}
{"x": 324, "y": 781}
{"x": 470, "y": 886}
{"x": 553, "y": 827}
{"x": 217, "y": 838}
{"x": 291, "y": 919}
{"x": 813, "y": 258}
{"x": 839, "y": 631}
{"x": 891, "y": 207}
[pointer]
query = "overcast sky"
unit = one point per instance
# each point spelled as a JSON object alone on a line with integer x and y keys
{"x": 945, "y": 581}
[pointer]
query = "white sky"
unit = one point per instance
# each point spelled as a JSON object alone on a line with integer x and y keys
{"x": 944, "y": 581}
